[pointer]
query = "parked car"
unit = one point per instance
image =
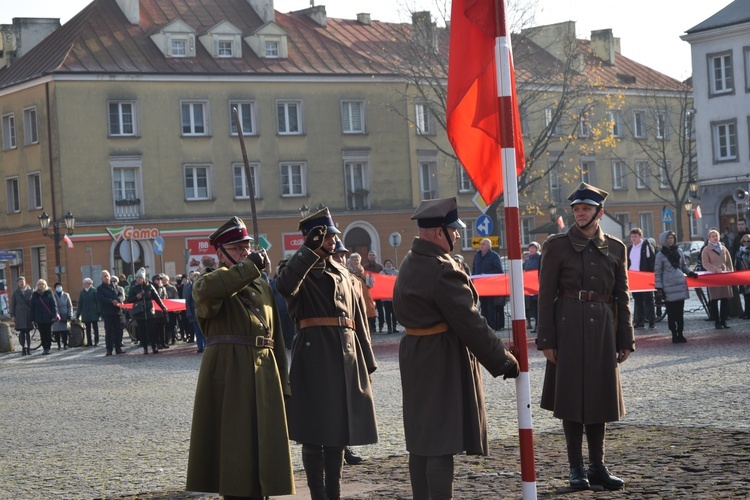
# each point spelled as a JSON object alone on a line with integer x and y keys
{"x": 691, "y": 249}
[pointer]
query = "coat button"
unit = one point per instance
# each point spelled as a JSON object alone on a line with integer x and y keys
{"x": 348, "y": 346}
{"x": 340, "y": 297}
{"x": 307, "y": 344}
{"x": 252, "y": 294}
{"x": 299, "y": 254}
{"x": 343, "y": 313}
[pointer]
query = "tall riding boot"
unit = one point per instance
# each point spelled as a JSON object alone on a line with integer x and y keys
{"x": 333, "y": 465}
{"x": 680, "y": 338}
{"x": 312, "y": 460}
{"x": 675, "y": 339}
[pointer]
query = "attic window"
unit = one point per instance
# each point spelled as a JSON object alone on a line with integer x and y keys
{"x": 179, "y": 47}
{"x": 225, "y": 48}
{"x": 272, "y": 48}
{"x": 627, "y": 79}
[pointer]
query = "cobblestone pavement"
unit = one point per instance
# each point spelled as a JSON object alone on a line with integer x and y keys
{"x": 80, "y": 425}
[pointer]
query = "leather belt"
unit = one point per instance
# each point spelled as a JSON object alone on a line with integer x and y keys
{"x": 259, "y": 341}
{"x": 584, "y": 296}
{"x": 337, "y": 321}
{"x": 432, "y": 330}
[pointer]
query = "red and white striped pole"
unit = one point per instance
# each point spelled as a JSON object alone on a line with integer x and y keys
{"x": 508, "y": 114}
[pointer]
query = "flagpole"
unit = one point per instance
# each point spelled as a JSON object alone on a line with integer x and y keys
{"x": 507, "y": 110}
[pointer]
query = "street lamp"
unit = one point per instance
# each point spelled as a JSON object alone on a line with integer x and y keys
{"x": 689, "y": 208}
{"x": 57, "y": 236}
{"x": 693, "y": 187}
{"x": 304, "y": 211}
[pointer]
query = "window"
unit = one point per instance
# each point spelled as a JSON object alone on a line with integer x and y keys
{"x": 552, "y": 129}
{"x": 247, "y": 112}
{"x": 225, "y": 48}
{"x": 624, "y": 219}
{"x": 289, "y": 117}
{"x": 194, "y": 117}
{"x": 124, "y": 185}
{"x": 357, "y": 185}
{"x": 585, "y": 128}
{"x": 424, "y": 120}
{"x": 241, "y": 191}
{"x": 662, "y": 126}
{"x": 428, "y": 180}
{"x": 353, "y": 117}
{"x": 12, "y": 195}
{"x": 524, "y": 111}
{"x": 642, "y": 174}
{"x": 35, "y": 191}
{"x": 646, "y": 223}
{"x": 619, "y": 180}
{"x": 464, "y": 181}
{"x": 178, "y": 47}
{"x": 555, "y": 182}
{"x": 30, "y": 130}
{"x": 527, "y": 224}
{"x": 500, "y": 233}
{"x": 724, "y": 138}
{"x": 292, "y": 179}
{"x": 9, "y": 131}
{"x": 721, "y": 77}
{"x": 615, "y": 122}
{"x": 694, "y": 225}
{"x": 467, "y": 233}
{"x": 272, "y": 49}
{"x": 122, "y": 118}
{"x": 664, "y": 173}
{"x": 588, "y": 170}
{"x": 639, "y": 124}
{"x": 197, "y": 185}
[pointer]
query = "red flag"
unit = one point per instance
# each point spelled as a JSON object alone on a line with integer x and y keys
{"x": 68, "y": 241}
{"x": 697, "y": 214}
{"x": 560, "y": 222}
{"x": 479, "y": 121}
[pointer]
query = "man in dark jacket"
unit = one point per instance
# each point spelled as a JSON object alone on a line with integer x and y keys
{"x": 107, "y": 293}
{"x": 440, "y": 357}
{"x": 331, "y": 404}
{"x": 487, "y": 261}
{"x": 642, "y": 257}
{"x": 585, "y": 333}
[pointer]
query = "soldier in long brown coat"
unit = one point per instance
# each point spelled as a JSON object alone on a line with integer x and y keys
{"x": 331, "y": 404}
{"x": 585, "y": 331}
{"x": 447, "y": 341}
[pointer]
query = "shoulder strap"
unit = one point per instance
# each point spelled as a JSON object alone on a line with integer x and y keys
{"x": 251, "y": 307}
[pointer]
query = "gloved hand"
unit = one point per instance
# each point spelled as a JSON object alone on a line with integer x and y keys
{"x": 693, "y": 275}
{"x": 659, "y": 297}
{"x": 314, "y": 239}
{"x": 259, "y": 258}
{"x": 511, "y": 368}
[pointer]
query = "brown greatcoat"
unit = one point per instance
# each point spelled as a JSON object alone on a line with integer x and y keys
{"x": 717, "y": 262}
{"x": 584, "y": 385}
{"x": 331, "y": 402}
{"x": 441, "y": 376}
{"x": 239, "y": 444}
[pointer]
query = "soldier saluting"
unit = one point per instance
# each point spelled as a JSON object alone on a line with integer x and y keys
{"x": 585, "y": 331}
{"x": 446, "y": 341}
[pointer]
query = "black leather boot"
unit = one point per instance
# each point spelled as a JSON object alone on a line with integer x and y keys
{"x": 681, "y": 338}
{"x": 600, "y": 476}
{"x": 578, "y": 480}
{"x": 724, "y": 324}
{"x": 674, "y": 337}
{"x": 312, "y": 460}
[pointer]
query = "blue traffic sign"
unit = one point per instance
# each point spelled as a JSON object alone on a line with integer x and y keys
{"x": 666, "y": 216}
{"x": 158, "y": 245}
{"x": 484, "y": 225}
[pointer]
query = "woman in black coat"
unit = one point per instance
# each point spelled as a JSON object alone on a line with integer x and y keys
{"x": 44, "y": 313}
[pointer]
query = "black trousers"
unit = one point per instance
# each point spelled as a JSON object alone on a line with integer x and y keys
{"x": 92, "y": 325}
{"x": 644, "y": 308}
{"x": 719, "y": 309}
{"x": 45, "y": 332}
{"x": 112, "y": 332}
{"x": 675, "y": 315}
{"x": 147, "y": 334}
{"x": 381, "y": 313}
{"x": 390, "y": 315}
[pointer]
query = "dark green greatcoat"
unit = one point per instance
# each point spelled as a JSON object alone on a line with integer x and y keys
{"x": 584, "y": 385}
{"x": 332, "y": 402}
{"x": 239, "y": 443}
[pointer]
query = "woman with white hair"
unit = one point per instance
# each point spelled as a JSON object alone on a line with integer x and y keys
{"x": 88, "y": 310}
{"x": 716, "y": 259}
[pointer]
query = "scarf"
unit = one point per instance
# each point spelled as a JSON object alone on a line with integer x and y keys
{"x": 716, "y": 246}
{"x": 673, "y": 255}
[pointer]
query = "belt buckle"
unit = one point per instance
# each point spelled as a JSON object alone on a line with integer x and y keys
{"x": 260, "y": 341}
{"x": 342, "y": 321}
{"x": 588, "y": 296}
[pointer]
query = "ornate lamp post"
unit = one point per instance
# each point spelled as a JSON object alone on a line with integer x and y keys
{"x": 693, "y": 187}
{"x": 304, "y": 211}
{"x": 57, "y": 236}
{"x": 689, "y": 208}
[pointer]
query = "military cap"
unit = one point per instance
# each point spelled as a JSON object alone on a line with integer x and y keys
{"x": 438, "y": 213}
{"x": 320, "y": 218}
{"x": 588, "y": 194}
{"x": 232, "y": 231}
{"x": 340, "y": 248}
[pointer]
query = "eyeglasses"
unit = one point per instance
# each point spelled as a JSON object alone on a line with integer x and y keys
{"x": 239, "y": 249}
{"x": 745, "y": 241}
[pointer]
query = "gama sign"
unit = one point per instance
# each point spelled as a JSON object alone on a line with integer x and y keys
{"x": 129, "y": 232}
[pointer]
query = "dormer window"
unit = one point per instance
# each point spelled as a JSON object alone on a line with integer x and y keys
{"x": 272, "y": 48}
{"x": 222, "y": 40}
{"x": 225, "y": 48}
{"x": 179, "y": 48}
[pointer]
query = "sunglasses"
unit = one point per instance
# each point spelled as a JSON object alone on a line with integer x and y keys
{"x": 745, "y": 241}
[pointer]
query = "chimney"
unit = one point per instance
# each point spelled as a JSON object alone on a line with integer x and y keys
{"x": 131, "y": 9}
{"x": 317, "y": 13}
{"x": 424, "y": 29}
{"x": 558, "y": 39}
{"x": 603, "y": 45}
{"x": 363, "y": 18}
{"x": 264, "y": 9}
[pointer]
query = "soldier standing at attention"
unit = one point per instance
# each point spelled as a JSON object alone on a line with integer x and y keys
{"x": 239, "y": 446}
{"x": 331, "y": 404}
{"x": 585, "y": 331}
{"x": 446, "y": 341}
